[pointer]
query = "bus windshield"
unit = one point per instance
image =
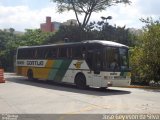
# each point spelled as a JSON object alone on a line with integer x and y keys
{"x": 115, "y": 59}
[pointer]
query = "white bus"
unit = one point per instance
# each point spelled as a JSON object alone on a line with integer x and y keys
{"x": 94, "y": 63}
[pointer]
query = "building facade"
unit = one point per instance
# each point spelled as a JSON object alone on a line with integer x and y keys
{"x": 47, "y": 27}
{"x": 54, "y": 26}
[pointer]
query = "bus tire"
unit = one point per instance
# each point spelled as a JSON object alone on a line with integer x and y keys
{"x": 30, "y": 74}
{"x": 103, "y": 88}
{"x": 80, "y": 81}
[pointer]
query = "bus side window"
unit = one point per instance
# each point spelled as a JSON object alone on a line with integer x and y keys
{"x": 26, "y": 53}
{"x": 35, "y": 53}
{"x": 20, "y": 54}
{"x": 63, "y": 52}
{"x": 50, "y": 53}
{"x": 76, "y": 53}
{"x": 32, "y": 53}
{"x": 46, "y": 53}
{"x": 41, "y": 53}
{"x": 55, "y": 53}
{"x": 69, "y": 53}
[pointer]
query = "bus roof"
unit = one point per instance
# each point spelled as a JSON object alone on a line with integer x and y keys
{"x": 102, "y": 42}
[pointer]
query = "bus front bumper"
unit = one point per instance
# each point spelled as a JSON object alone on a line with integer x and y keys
{"x": 116, "y": 83}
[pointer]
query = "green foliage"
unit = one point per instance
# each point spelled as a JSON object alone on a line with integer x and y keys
{"x": 10, "y": 41}
{"x": 34, "y": 37}
{"x": 145, "y": 57}
{"x": 86, "y": 7}
{"x": 113, "y": 33}
{"x": 7, "y": 47}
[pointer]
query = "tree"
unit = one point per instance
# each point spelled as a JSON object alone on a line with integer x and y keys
{"x": 146, "y": 55}
{"x": 34, "y": 37}
{"x": 86, "y": 7}
{"x": 104, "y": 31}
{"x": 72, "y": 32}
{"x": 7, "y": 47}
{"x": 93, "y": 31}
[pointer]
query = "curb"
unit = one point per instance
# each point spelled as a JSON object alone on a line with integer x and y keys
{"x": 142, "y": 87}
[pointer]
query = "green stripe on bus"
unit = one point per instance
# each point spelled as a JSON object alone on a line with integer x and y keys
{"x": 62, "y": 70}
{"x": 59, "y": 69}
{"x": 55, "y": 67}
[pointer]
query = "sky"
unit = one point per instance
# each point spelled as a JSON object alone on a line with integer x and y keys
{"x": 28, "y": 14}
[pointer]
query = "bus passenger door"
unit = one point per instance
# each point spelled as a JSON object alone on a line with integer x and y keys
{"x": 96, "y": 68}
{"x": 94, "y": 63}
{"x": 89, "y": 61}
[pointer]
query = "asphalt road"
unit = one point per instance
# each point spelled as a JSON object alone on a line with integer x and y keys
{"x": 18, "y": 95}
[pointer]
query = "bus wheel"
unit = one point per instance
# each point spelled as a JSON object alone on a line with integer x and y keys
{"x": 30, "y": 74}
{"x": 80, "y": 81}
{"x": 103, "y": 88}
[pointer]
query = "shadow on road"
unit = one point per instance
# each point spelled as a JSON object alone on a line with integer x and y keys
{"x": 66, "y": 87}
